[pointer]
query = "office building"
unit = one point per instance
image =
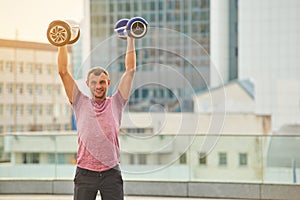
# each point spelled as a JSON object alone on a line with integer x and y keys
{"x": 31, "y": 93}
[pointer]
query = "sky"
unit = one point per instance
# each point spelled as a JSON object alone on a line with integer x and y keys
{"x": 29, "y": 19}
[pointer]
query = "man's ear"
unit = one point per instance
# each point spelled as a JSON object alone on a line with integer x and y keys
{"x": 108, "y": 81}
{"x": 87, "y": 83}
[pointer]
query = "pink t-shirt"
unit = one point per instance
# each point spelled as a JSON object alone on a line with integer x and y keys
{"x": 98, "y": 125}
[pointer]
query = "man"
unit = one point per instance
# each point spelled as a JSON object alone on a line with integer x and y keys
{"x": 98, "y": 121}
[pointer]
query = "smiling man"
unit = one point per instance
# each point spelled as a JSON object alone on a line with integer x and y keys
{"x": 98, "y": 120}
{"x": 98, "y": 82}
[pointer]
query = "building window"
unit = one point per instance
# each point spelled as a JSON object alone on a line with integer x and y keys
{"x": 111, "y": 7}
{"x": 170, "y": 93}
{"x": 160, "y": 5}
{"x": 202, "y": 158}
{"x": 121, "y": 66}
{"x": 35, "y": 158}
{"x": 20, "y": 109}
{"x": 29, "y": 89}
{"x": 66, "y": 126}
{"x": 137, "y": 131}
{"x": 142, "y": 159}
{"x": 39, "y": 110}
{"x": 183, "y": 158}
{"x": 136, "y": 93}
{"x": 48, "y": 127}
{"x": 9, "y": 110}
{"x": 127, "y": 6}
{"x": 51, "y": 158}
{"x": 57, "y": 127}
{"x": 29, "y": 109}
{"x": 9, "y": 88}
{"x": 204, "y": 4}
{"x": 31, "y": 158}
{"x": 9, "y": 67}
{"x": 29, "y": 68}
{"x": 57, "y": 89}
{"x": 20, "y": 89}
{"x": 145, "y": 93}
{"x": 170, "y": 16}
{"x": 243, "y": 159}
{"x": 49, "y": 89}
{"x": 196, "y": 16}
{"x": 161, "y": 93}
{"x": 20, "y": 68}
{"x": 204, "y": 28}
{"x": 196, "y": 4}
{"x": 170, "y": 5}
{"x": 39, "y": 69}
{"x": 39, "y": 89}
{"x": 177, "y": 5}
{"x": 222, "y": 159}
{"x": 61, "y": 158}
{"x": 49, "y": 68}
{"x": 145, "y": 6}
{"x": 204, "y": 16}
{"x": 154, "y": 92}
{"x": 49, "y": 109}
{"x": 131, "y": 159}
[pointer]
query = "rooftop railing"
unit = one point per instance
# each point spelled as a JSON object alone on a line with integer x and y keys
{"x": 232, "y": 158}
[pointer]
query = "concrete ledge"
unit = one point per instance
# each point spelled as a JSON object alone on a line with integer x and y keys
{"x": 224, "y": 190}
{"x": 279, "y": 192}
{"x": 163, "y": 188}
{"x": 63, "y": 187}
{"x": 26, "y": 186}
{"x": 156, "y": 188}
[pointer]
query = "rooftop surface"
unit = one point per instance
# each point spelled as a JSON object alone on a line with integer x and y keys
{"x": 70, "y": 197}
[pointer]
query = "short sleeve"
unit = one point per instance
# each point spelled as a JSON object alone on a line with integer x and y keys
{"x": 119, "y": 100}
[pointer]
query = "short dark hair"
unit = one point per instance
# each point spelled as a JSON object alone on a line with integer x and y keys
{"x": 97, "y": 71}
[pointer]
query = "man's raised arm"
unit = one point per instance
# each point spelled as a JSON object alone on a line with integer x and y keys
{"x": 67, "y": 79}
{"x": 130, "y": 62}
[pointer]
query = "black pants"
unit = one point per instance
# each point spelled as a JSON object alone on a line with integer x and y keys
{"x": 88, "y": 183}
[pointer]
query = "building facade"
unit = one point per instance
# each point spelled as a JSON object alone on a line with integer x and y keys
{"x": 268, "y": 54}
{"x": 31, "y": 93}
{"x": 223, "y": 41}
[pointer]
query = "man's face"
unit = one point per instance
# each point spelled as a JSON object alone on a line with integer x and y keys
{"x": 98, "y": 86}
